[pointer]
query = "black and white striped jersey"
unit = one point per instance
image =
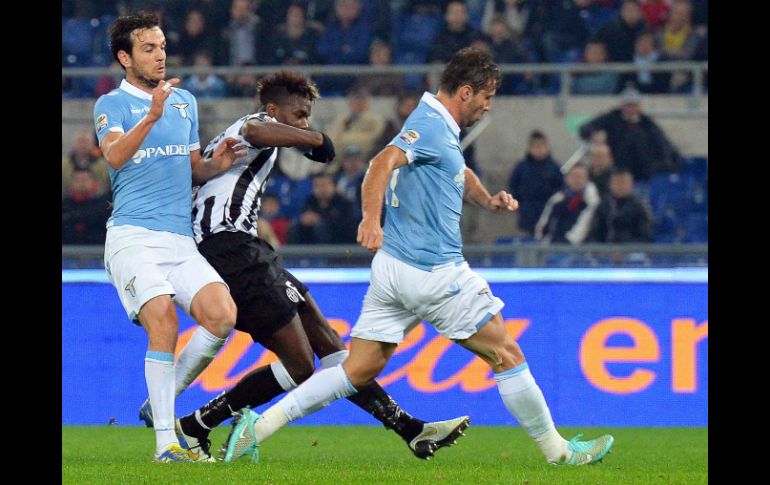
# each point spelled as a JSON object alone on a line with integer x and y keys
{"x": 230, "y": 201}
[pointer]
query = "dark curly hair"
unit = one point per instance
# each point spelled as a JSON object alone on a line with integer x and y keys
{"x": 277, "y": 87}
{"x": 470, "y": 66}
{"x": 120, "y": 31}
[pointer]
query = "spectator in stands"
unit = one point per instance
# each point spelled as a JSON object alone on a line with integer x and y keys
{"x": 244, "y": 36}
{"x": 361, "y": 126}
{"x": 595, "y": 82}
{"x": 326, "y": 218}
{"x": 105, "y": 84}
{"x": 381, "y": 84}
{"x": 205, "y": 86}
{"x": 507, "y": 48}
{"x": 677, "y": 38}
{"x": 294, "y": 43}
{"x": 622, "y": 217}
{"x": 351, "y": 176}
{"x": 346, "y": 40}
{"x": 84, "y": 155}
{"x": 195, "y": 38}
{"x": 406, "y": 102}
{"x": 85, "y": 210}
{"x": 568, "y": 214}
{"x": 566, "y": 30}
{"x": 655, "y": 12}
{"x": 533, "y": 181}
{"x": 679, "y": 41}
{"x": 619, "y": 35}
{"x": 456, "y": 34}
{"x": 600, "y": 166}
{"x": 270, "y": 212}
{"x": 636, "y": 141}
{"x": 647, "y": 55}
{"x": 514, "y": 13}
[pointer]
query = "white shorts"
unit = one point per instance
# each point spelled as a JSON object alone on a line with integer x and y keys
{"x": 142, "y": 264}
{"x": 452, "y": 298}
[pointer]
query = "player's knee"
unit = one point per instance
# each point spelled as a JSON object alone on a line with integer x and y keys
{"x": 220, "y": 320}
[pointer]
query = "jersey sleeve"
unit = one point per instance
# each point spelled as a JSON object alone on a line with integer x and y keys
{"x": 109, "y": 116}
{"x": 417, "y": 139}
{"x": 195, "y": 140}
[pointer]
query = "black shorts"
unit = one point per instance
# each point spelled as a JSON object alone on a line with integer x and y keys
{"x": 267, "y": 296}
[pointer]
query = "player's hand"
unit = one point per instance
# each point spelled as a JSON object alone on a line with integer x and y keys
{"x": 369, "y": 235}
{"x": 502, "y": 202}
{"x": 324, "y": 153}
{"x": 159, "y": 97}
{"x": 227, "y": 152}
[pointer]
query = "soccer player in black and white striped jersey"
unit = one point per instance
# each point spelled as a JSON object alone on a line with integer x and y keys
{"x": 274, "y": 307}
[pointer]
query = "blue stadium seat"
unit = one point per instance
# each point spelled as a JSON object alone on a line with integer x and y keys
{"x": 667, "y": 228}
{"x": 696, "y": 228}
{"x": 77, "y": 38}
{"x": 669, "y": 191}
{"x": 695, "y": 169}
{"x": 290, "y": 193}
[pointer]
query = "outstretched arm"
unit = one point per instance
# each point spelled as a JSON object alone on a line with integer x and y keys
{"x": 476, "y": 194}
{"x": 274, "y": 134}
{"x": 373, "y": 193}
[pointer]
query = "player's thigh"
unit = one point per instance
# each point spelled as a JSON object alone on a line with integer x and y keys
{"x": 198, "y": 285}
{"x": 494, "y": 345}
{"x": 134, "y": 259}
{"x": 323, "y": 338}
{"x": 460, "y": 302}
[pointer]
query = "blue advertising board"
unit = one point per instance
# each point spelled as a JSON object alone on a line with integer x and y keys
{"x": 607, "y": 347}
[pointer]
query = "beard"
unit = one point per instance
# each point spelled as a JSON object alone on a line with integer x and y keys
{"x": 150, "y": 83}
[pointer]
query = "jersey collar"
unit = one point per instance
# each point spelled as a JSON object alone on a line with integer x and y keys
{"x": 431, "y": 100}
{"x": 133, "y": 90}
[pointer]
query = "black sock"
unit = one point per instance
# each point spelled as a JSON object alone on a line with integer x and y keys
{"x": 376, "y": 401}
{"x": 257, "y": 387}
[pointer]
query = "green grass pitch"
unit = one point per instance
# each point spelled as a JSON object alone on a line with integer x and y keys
{"x": 369, "y": 454}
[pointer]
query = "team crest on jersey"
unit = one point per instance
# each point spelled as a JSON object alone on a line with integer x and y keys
{"x": 101, "y": 122}
{"x": 410, "y": 137}
{"x": 292, "y": 293}
{"x": 182, "y": 107}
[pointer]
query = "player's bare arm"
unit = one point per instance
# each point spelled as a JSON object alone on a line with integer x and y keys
{"x": 477, "y": 194}
{"x": 276, "y": 134}
{"x": 118, "y": 148}
{"x": 373, "y": 192}
{"x": 221, "y": 159}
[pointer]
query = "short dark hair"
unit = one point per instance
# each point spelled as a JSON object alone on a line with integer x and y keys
{"x": 277, "y": 87}
{"x": 537, "y": 135}
{"x": 470, "y": 66}
{"x": 121, "y": 28}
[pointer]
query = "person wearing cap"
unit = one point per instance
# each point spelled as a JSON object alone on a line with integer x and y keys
{"x": 637, "y": 143}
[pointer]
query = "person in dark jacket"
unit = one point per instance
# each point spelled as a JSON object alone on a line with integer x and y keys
{"x": 534, "y": 179}
{"x": 636, "y": 141}
{"x": 620, "y": 34}
{"x": 568, "y": 214}
{"x": 457, "y": 33}
{"x": 621, "y": 216}
{"x": 326, "y": 218}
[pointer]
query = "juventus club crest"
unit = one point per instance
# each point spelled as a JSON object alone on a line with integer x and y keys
{"x": 182, "y": 107}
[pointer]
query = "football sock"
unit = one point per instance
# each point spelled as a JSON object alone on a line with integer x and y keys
{"x": 525, "y": 401}
{"x": 197, "y": 354}
{"x": 379, "y": 404}
{"x": 312, "y": 395}
{"x": 257, "y": 387}
{"x": 282, "y": 376}
{"x": 335, "y": 359}
{"x": 159, "y": 374}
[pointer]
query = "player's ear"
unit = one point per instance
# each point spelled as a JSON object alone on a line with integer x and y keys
{"x": 466, "y": 92}
{"x": 124, "y": 58}
{"x": 270, "y": 109}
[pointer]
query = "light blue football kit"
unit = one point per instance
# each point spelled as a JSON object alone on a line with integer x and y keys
{"x": 420, "y": 272}
{"x": 149, "y": 249}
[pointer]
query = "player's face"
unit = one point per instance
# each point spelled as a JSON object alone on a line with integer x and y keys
{"x": 296, "y": 112}
{"x": 147, "y": 62}
{"x": 476, "y": 106}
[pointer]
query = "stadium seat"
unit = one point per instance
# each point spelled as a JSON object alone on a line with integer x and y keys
{"x": 696, "y": 228}
{"x": 695, "y": 169}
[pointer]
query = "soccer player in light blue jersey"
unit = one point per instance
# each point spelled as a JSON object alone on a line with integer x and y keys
{"x": 148, "y": 132}
{"x": 419, "y": 273}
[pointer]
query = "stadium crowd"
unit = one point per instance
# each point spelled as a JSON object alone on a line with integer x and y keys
{"x": 631, "y": 186}
{"x": 378, "y": 32}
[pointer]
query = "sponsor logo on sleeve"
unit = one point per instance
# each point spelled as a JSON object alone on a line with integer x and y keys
{"x": 101, "y": 122}
{"x": 409, "y": 137}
